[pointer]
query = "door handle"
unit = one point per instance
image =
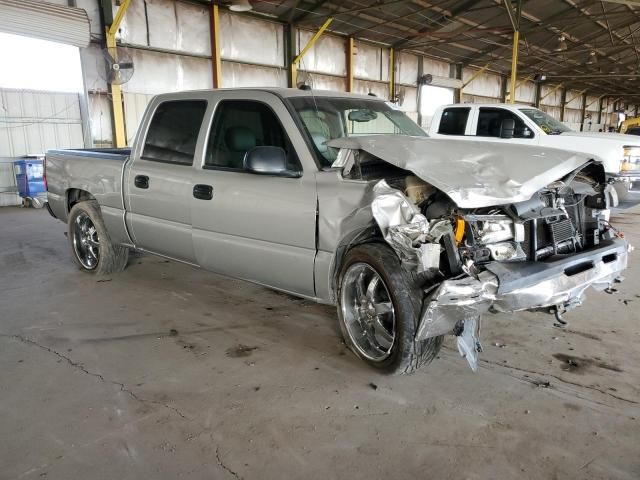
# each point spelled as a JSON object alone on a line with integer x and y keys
{"x": 141, "y": 181}
{"x": 203, "y": 192}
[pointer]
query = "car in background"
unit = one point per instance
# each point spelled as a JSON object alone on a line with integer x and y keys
{"x": 527, "y": 125}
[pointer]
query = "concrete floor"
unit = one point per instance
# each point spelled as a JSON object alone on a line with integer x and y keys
{"x": 165, "y": 371}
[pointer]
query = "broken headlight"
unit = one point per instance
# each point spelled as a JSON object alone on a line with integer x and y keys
{"x": 494, "y": 231}
{"x": 506, "y": 252}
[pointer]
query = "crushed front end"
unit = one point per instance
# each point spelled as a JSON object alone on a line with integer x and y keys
{"x": 539, "y": 254}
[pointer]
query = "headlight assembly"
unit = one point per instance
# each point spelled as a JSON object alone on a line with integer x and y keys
{"x": 506, "y": 252}
{"x": 495, "y": 231}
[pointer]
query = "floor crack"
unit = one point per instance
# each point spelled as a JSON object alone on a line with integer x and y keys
{"x": 562, "y": 380}
{"x": 82, "y": 368}
{"x": 224, "y": 466}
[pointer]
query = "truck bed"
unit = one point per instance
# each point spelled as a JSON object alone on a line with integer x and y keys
{"x": 102, "y": 153}
{"x": 97, "y": 171}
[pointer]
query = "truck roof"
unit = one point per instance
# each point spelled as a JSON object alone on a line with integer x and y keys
{"x": 489, "y": 105}
{"x": 285, "y": 92}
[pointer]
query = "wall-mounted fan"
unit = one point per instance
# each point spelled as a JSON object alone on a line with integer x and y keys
{"x": 118, "y": 65}
{"x": 304, "y": 81}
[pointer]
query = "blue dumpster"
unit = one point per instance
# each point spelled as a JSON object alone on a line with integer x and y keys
{"x": 30, "y": 176}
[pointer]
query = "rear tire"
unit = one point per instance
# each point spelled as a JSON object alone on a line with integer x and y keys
{"x": 91, "y": 247}
{"x": 386, "y": 345}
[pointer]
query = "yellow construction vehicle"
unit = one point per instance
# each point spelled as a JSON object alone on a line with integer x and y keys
{"x": 629, "y": 122}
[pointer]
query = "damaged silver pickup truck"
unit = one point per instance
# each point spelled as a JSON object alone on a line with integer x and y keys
{"x": 343, "y": 199}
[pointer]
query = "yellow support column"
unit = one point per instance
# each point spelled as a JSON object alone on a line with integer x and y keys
{"x": 350, "y": 64}
{"x": 216, "y": 59}
{"x": 514, "y": 66}
{"x": 116, "y": 106}
{"x": 120, "y": 135}
{"x": 314, "y": 39}
{"x": 474, "y": 76}
{"x": 553, "y": 90}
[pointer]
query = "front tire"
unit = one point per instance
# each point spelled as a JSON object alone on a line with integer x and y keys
{"x": 379, "y": 306}
{"x": 91, "y": 247}
{"x": 623, "y": 190}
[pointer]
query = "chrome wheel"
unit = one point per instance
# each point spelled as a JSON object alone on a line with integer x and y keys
{"x": 86, "y": 244}
{"x": 367, "y": 312}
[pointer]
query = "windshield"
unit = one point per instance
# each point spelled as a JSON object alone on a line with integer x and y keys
{"x": 325, "y": 119}
{"x": 547, "y": 123}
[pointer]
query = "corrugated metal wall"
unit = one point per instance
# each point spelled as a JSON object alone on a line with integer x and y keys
{"x": 32, "y": 122}
{"x": 170, "y": 43}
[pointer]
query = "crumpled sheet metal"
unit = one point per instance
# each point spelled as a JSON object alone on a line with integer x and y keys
{"x": 406, "y": 230}
{"x": 453, "y": 300}
{"x": 472, "y": 175}
{"x": 562, "y": 289}
{"x": 468, "y": 341}
{"x": 469, "y": 297}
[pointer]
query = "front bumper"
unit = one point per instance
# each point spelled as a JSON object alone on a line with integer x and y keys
{"x": 630, "y": 175}
{"x": 511, "y": 287}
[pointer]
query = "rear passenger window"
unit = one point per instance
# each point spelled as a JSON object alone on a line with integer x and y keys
{"x": 454, "y": 121}
{"x": 173, "y": 132}
{"x": 239, "y": 126}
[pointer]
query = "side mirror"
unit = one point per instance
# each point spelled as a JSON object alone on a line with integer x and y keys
{"x": 266, "y": 160}
{"x": 507, "y": 127}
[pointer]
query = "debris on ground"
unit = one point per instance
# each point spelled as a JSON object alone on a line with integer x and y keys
{"x": 542, "y": 383}
{"x": 240, "y": 351}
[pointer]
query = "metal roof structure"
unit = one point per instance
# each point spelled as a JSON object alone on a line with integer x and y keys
{"x": 583, "y": 44}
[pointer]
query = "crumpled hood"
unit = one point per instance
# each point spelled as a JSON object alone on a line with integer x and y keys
{"x": 472, "y": 174}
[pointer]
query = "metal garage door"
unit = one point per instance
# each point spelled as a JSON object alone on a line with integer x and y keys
{"x": 57, "y": 23}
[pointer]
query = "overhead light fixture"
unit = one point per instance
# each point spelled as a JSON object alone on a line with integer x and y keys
{"x": 592, "y": 58}
{"x": 240, "y": 6}
{"x": 561, "y": 45}
{"x": 539, "y": 77}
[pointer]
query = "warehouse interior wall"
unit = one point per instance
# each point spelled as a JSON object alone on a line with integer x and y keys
{"x": 170, "y": 44}
{"x": 40, "y": 96}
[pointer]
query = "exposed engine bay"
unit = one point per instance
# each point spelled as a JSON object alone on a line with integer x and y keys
{"x": 567, "y": 216}
{"x": 540, "y": 253}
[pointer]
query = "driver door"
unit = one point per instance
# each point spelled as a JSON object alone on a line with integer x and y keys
{"x": 260, "y": 228}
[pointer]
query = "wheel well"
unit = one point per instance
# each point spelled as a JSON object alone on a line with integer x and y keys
{"x": 368, "y": 235}
{"x": 75, "y": 195}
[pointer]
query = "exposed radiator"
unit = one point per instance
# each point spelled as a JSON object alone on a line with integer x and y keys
{"x": 562, "y": 230}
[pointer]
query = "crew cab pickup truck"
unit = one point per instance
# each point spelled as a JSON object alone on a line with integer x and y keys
{"x": 343, "y": 199}
{"x": 526, "y": 125}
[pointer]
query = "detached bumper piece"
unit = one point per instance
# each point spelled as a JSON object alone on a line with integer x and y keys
{"x": 456, "y": 305}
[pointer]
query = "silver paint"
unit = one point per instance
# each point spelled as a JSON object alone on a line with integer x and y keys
{"x": 472, "y": 175}
{"x": 291, "y": 233}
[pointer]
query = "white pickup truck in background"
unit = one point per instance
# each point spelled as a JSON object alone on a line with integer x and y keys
{"x": 528, "y": 125}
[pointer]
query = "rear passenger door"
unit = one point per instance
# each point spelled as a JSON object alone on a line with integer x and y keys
{"x": 454, "y": 122}
{"x": 256, "y": 227}
{"x": 160, "y": 180}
